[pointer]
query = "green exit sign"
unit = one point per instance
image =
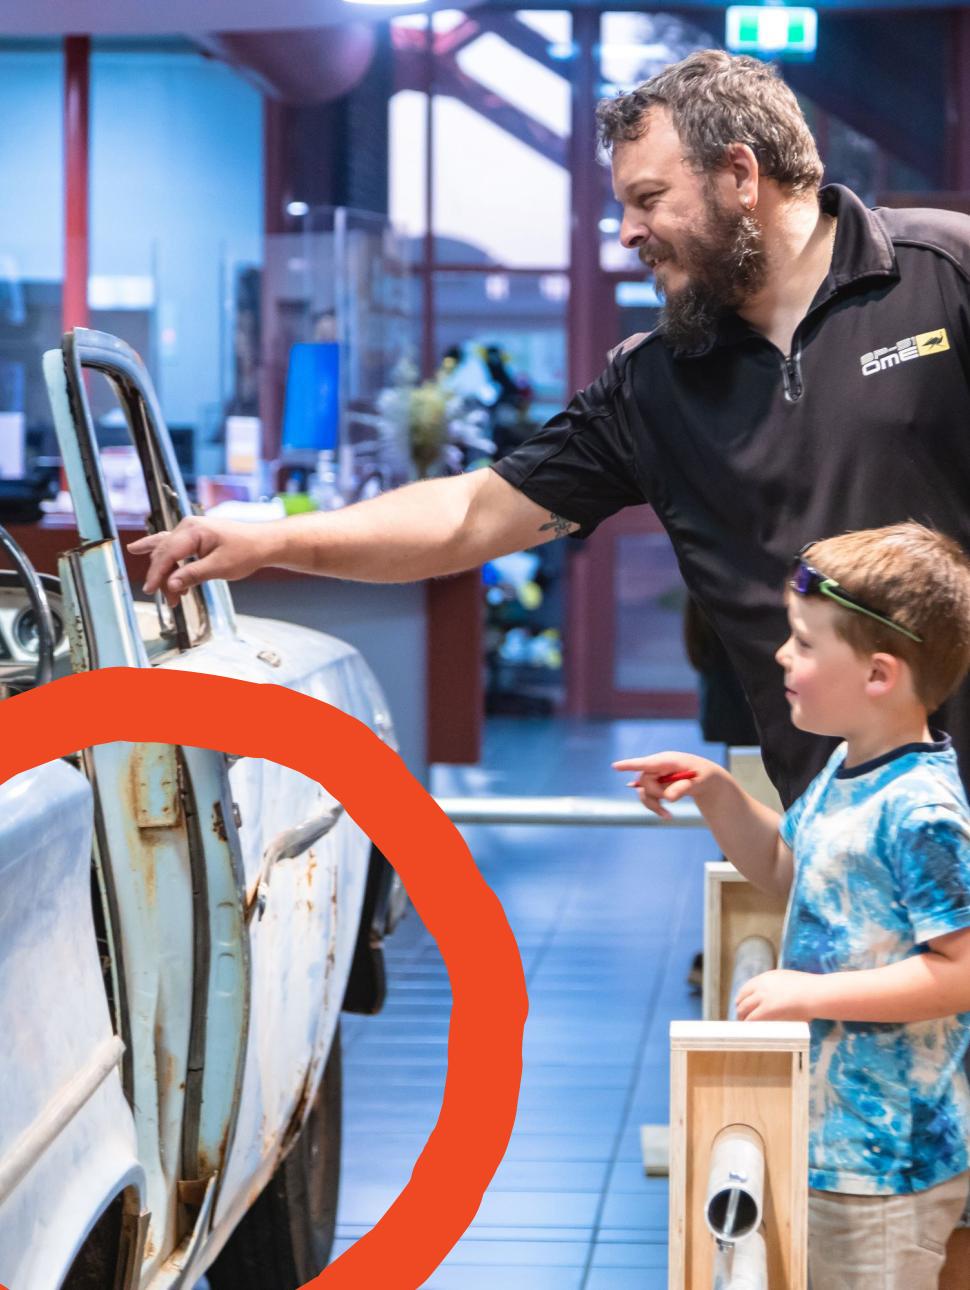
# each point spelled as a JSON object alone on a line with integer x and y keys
{"x": 773, "y": 30}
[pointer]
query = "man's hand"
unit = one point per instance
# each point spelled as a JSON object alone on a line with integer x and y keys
{"x": 780, "y": 995}
{"x": 667, "y": 777}
{"x": 215, "y": 549}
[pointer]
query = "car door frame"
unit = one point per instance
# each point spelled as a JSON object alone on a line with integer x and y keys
{"x": 177, "y": 869}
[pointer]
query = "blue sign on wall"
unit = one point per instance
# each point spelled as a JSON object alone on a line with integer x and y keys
{"x": 312, "y": 413}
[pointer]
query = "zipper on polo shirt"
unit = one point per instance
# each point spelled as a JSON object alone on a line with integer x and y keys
{"x": 791, "y": 370}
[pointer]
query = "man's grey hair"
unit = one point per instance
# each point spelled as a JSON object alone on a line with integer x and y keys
{"x": 716, "y": 99}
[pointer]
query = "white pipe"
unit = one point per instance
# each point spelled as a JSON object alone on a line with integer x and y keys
{"x": 749, "y": 1266}
{"x": 742, "y": 1266}
{"x": 582, "y": 811}
{"x": 735, "y": 1188}
{"x": 753, "y": 956}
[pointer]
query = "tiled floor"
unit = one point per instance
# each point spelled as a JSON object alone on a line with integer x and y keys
{"x": 607, "y": 922}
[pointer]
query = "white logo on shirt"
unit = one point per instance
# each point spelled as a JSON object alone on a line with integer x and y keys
{"x": 927, "y": 342}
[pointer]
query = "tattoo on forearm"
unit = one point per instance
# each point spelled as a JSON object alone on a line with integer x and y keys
{"x": 559, "y": 526}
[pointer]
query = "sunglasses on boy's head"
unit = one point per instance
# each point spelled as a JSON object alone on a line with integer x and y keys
{"x": 807, "y": 581}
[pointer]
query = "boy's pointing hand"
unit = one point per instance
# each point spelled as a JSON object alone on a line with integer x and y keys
{"x": 667, "y": 777}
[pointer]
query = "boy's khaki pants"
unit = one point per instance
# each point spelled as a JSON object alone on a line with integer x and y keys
{"x": 882, "y": 1242}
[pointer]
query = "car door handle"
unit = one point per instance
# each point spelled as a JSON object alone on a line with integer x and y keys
{"x": 287, "y": 846}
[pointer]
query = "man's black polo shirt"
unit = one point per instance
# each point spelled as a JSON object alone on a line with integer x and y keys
{"x": 747, "y": 455}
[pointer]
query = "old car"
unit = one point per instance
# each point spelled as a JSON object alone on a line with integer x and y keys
{"x": 179, "y": 928}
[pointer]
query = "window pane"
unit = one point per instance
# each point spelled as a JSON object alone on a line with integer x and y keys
{"x": 649, "y": 624}
{"x": 176, "y": 175}
{"x": 635, "y": 46}
{"x": 501, "y": 129}
{"x": 536, "y": 90}
{"x": 555, "y": 24}
{"x": 497, "y": 196}
{"x": 407, "y": 162}
{"x": 522, "y": 316}
{"x": 31, "y": 249}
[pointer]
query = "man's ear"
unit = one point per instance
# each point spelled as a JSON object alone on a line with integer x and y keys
{"x": 744, "y": 170}
{"x": 885, "y": 674}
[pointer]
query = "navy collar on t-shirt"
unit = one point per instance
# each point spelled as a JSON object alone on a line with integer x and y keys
{"x": 940, "y": 743}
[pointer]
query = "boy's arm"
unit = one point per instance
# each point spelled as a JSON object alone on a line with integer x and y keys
{"x": 931, "y": 861}
{"x": 747, "y": 833}
{"x": 745, "y": 830}
{"x": 921, "y": 988}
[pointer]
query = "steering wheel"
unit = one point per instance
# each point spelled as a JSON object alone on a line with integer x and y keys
{"x": 31, "y": 583}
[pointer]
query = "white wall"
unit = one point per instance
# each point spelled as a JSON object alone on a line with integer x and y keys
{"x": 176, "y": 183}
{"x": 31, "y": 178}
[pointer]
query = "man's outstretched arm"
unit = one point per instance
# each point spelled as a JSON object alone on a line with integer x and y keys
{"x": 424, "y": 530}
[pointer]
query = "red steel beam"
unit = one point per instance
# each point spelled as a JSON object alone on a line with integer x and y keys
{"x": 77, "y": 88}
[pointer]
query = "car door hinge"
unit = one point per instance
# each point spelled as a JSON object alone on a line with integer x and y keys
{"x": 219, "y": 820}
{"x": 155, "y": 786}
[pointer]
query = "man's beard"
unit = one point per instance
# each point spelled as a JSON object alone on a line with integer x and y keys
{"x": 725, "y": 265}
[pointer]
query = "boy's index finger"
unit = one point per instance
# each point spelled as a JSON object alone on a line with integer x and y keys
{"x": 655, "y": 762}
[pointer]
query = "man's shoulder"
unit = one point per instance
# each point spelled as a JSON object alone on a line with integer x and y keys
{"x": 945, "y": 232}
{"x": 622, "y": 353}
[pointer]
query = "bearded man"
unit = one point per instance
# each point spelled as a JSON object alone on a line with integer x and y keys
{"x": 809, "y": 376}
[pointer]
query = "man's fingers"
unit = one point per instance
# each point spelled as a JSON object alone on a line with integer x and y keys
{"x": 146, "y": 545}
{"x": 165, "y": 556}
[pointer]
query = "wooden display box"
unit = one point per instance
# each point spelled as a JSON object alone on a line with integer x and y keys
{"x": 733, "y": 910}
{"x": 745, "y": 766}
{"x": 754, "y": 1073}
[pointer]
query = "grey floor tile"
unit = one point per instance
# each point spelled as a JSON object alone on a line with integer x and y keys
{"x": 540, "y": 1175}
{"x": 607, "y": 923}
{"x": 553, "y": 1209}
{"x": 629, "y": 1254}
{"x": 626, "y": 1210}
{"x": 508, "y": 1278}
{"x": 560, "y": 1147}
{"x": 549, "y": 1254}
{"x": 572, "y": 1235}
{"x": 626, "y": 1279}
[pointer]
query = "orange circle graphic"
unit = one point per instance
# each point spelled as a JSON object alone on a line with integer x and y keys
{"x": 135, "y": 705}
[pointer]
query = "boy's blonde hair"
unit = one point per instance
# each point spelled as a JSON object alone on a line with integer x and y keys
{"x": 918, "y": 578}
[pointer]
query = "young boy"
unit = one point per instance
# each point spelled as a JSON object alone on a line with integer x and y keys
{"x": 875, "y": 858}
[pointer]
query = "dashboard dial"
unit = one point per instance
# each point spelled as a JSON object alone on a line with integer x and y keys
{"x": 25, "y": 630}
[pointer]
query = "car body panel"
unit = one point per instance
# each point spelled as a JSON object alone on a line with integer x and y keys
{"x": 301, "y": 946}
{"x": 232, "y": 890}
{"x": 54, "y": 1015}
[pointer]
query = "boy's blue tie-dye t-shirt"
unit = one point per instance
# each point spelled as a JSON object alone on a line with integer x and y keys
{"x": 882, "y": 865}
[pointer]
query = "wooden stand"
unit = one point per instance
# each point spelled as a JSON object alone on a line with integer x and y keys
{"x": 956, "y": 1274}
{"x": 753, "y": 1073}
{"x": 745, "y": 766}
{"x": 733, "y": 910}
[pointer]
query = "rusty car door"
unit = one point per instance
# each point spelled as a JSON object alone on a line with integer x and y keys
{"x": 237, "y": 882}
{"x": 166, "y": 840}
